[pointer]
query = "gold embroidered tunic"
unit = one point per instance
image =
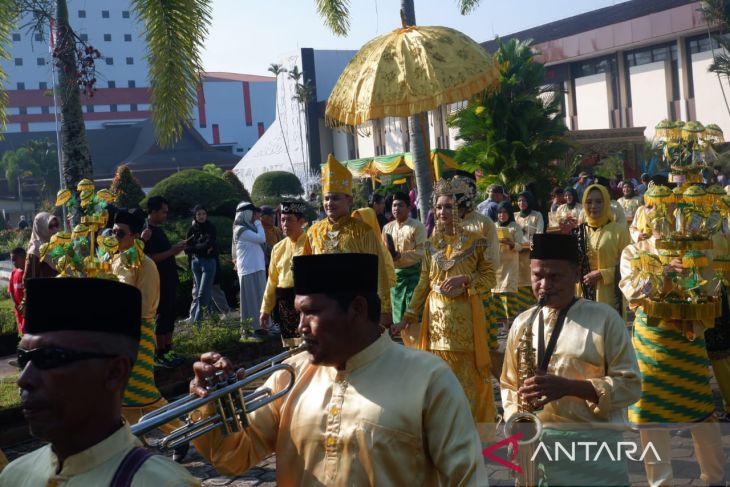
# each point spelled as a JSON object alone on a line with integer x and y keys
{"x": 476, "y": 222}
{"x": 409, "y": 238}
{"x": 351, "y": 235}
{"x": 280, "y": 273}
{"x": 605, "y": 245}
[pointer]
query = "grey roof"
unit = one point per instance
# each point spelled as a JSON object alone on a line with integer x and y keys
{"x": 590, "y": 20}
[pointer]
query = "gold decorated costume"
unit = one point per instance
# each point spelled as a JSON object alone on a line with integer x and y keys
{"x": 392, "y": 416}
{"x": 409, "y": 239}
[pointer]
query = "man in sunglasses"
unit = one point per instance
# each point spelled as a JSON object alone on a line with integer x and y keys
{"x": 74, "y": 369}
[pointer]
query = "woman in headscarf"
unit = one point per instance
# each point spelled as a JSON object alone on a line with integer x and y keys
{"x": 531, "y": 223}
{"x": 45, "y": 225}
{"x": 600, "y": 243}
{"x": 247, "y": 253}
{"x": 630, "y": 201}
{"x": 569, "y": 212}
{"x": 454, "y": 273}
{"x": 202, "y": 249}
{"x": 369, "y": 216}
{"x": 510, "y": 236}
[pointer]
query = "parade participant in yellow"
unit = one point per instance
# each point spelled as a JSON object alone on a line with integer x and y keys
{"x": 454, "y": 273}
{"x": 531, "y": 223}
{"x": 133, "y": 267}
{"x": 363, "y": 410}
{"x": 600, "y": 243}
{"x": 408, "y": 238}
{"x": 586, "y": 373}
{"x": 80, "y": 343}
{"x": 640, "y": 228}
{"x": 675, "y": 376}
{"x": 280, "y": 283}
{"x": 630, "y": 201}
{"x": 717, "y": 339}
{"x": 340, "y": 233}
{"x": 571, "y": 209}
{"x": 505, "y": 291}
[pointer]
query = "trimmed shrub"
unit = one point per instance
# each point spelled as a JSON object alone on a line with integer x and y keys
{"x": 231, "y": 178}
{"x": 271, "y": 187}
{"x": 185, "y": 189}
{"x": 126, "y": 188}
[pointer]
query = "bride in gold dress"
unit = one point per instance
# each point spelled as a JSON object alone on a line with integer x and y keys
{"x": 454, "y": 273}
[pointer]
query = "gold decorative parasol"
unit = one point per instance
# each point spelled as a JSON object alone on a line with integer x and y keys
{"x": 409, "y": 71}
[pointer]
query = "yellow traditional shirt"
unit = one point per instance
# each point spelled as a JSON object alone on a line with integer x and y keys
{"x": 509, "y": 263}
{"x": 450, "y": 318}
{"x": 146, "y": 279}
{"x": 409, "y": 238}
{"x": 564, "y": 212}
{"x": 280, "y": 273}
{"x": 594, "y": 345}
{"x": 393, "y": 416}
{"x": 640, "y": 224}
{"x": 351, "y": 235}
{"x": 605, "y": 245}
{"x": 476, "y": 222}
{"x": 629, "y": 206}
{"x": 94, "y": 466}
{"x": 531, "y": 224}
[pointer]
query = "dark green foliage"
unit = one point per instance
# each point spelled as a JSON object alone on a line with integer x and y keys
{"x": 516, "y": 131}
{"x": 190, "y": 187}
{"x": 271, "y": 187}
{"x": 231, "y": 178}
{"x": 126, "y": 188}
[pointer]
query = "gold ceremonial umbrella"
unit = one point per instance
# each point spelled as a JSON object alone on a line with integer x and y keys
{"x": 409, "y": 71}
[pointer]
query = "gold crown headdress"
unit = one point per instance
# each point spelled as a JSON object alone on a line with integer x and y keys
{"x": 455, "y": 187}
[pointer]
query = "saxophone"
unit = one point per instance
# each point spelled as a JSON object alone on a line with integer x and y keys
{"x": 524, "y": 420}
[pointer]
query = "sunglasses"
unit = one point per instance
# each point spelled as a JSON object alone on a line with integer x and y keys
{"x": 52, "y": 357}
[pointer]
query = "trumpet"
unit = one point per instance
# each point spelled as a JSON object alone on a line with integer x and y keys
{"x": 226, "y": 394}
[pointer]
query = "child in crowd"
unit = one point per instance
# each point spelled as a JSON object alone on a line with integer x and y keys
{"x": 16, "y": 289}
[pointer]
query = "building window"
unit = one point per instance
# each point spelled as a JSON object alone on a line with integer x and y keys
{"x": 109, "y": 60}
{"x": 45, "y": 110}
{"x": 131, "y": 83}
{"x": 20, "y": 85}
{"x": 125, "y": 14}
{"x": 23, "y": 111}
{"x": 16, "y": 37}
{"x": 653, "y": 54}
{"x": 133, "y": 107}
{"x": 84, "y": 37}
{"x": 130, "y": 60}
{"x": 127, "y": 37}
{"x": 42, "y": 85}
{"x": 40, "y": 61}
{"x": 82, "y": 14}
{"x": 18, "y": 61}
{"x": 107, "y": 37}
{"x": 606, "y": 64}
{"x": 104, "y": 14}
{"x": 112, "y": 108}
{"x": 111, "y": 84}
{"x": 89, "y": 108}
{"x": 38, "y": 37}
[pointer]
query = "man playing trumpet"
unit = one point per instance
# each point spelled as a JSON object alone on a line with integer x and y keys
{"x": 587, "y": 373}
{"x": 363, "y": 410}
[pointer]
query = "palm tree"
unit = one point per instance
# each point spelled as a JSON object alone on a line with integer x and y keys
{"x": 301, "y": 98}
{"x": 174, "y": 31}
{"x": 278, "y": 69}
{"x": 717, "y": 14}
{"x": 336, "y": 16}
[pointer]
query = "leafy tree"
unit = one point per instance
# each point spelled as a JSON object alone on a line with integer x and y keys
{"x": 231, "y": 178}
{"x": 185, "y": 189}
{"x": 36, "y": 159}
{"x": 276, "y": 70}
{"x": 336, "y": 16}
{"x": 717, "y": 14}
{"x": 213, "y": 169}
{"x": 126, "y": 188}
{"x": 514, "y": 132}
{"x": 272, "y": 186}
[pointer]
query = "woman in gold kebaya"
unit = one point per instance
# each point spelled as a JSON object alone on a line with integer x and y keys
{"x": 455, "y": 272}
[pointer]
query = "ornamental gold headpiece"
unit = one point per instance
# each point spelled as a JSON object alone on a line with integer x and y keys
{"x": 457, "y": 188}
{"x": 336, "y": 178}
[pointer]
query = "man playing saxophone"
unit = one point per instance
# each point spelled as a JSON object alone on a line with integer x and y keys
{"x": 586, "y": 370}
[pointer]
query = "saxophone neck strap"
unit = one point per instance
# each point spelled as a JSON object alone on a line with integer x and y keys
{"x": 544, "y": 354}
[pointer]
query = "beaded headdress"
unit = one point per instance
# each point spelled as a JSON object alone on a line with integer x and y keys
{"x": 455, "y": 187}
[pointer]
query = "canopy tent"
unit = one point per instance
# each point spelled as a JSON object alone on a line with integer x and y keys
{"x": 402, "y": 163}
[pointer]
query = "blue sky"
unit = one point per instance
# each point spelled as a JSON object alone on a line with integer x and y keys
{"x": 248, "y": 35}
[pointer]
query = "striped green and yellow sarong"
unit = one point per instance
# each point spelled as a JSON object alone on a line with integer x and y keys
{"x": 524, "y": 300}
{"x": 489, "y": 301}
{"x": 675, "y": 376}
{"x": 141, "y": 389}
{"x": 505, "y": 306}
{"x": 406, "y": 280}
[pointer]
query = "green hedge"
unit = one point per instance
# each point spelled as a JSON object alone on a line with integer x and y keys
{"x": 185, "y": 189}
{"x": 273, "y": 186}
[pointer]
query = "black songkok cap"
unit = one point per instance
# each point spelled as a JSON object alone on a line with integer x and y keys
{"x": 81, "y": 303}
{"x": 134, "y": 219}
{"x": 335, "y": 273}
{"x": 293, "y": 207}
{"x": 554, "y": 246}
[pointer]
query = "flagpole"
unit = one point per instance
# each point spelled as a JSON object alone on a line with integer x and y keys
{"x": 59, "y": 152}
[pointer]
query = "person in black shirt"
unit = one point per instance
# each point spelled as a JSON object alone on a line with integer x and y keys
{"x": 377, "y": 203}
{"x": 158, "y": 248}
{"x": 202, "y": 250}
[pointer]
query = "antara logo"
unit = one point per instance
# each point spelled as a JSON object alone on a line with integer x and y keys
{"x": 592, "y": 451}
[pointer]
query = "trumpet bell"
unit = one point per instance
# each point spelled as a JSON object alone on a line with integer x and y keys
{"x": 525, "y": 423}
